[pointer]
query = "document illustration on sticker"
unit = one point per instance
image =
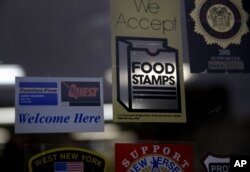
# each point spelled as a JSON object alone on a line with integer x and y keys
{"x": 147, "y": 75}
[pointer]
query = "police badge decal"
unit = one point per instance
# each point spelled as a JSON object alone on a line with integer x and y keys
{"x": 220, "y": 22}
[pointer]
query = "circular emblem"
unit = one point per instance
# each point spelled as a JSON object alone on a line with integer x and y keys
{"x": 155, "y": 163}
{"x": 220, "y": 22}
{"x": 220, "y": 18}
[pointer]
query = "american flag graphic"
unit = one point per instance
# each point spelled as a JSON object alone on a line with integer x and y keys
{"x": 68, "y": 166}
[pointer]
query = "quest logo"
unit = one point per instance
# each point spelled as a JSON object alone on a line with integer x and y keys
{"x": 81, "y": 93}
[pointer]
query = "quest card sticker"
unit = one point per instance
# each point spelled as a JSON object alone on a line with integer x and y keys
{"x": 218, "y": 35}
{"x": 46, "y": 105}
{"x": 153, "y": 157}
{"x": 67, "y": 159}
{"x": 147, "y": 61}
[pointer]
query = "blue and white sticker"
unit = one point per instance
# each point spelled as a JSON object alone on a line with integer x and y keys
{"x": 46, "y": 105}
{"x": 38, "y": 93}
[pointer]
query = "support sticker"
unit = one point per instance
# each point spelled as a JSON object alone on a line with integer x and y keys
{"x": 45, "y": 105}
{"x": 153, "y": 157}
{"x": 67, "y": 159}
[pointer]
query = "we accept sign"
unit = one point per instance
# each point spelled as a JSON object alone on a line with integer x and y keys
{"x": 148, "y": 81}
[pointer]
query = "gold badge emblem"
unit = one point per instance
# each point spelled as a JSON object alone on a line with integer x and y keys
{"x": 220, "y": 22}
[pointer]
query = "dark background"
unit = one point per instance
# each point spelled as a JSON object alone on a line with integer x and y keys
{"x": 72, "y": 38}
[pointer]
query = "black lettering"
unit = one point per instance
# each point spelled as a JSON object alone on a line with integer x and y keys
{"x": 146, "y": 23}
{"x": 147, "y": 80}
{"x": 135, "y": 80}
{"x": 169, "y": 25}
{"x": 169, "y": 68}
{"x": 158, "y": 68}
{"x": 172, "y": 80}
{"x": 156, "y": 24}
{"x": 148, "y": 6}
{"x": 158, "y": 80}
{"x": 146, "y": 69}
{"x": 135, "y": 21}
{"x": 164, "y": 80}
{"x": 121, "y": 20}
{"x": 139, "y": 5}
{"x": 135, "y": 65}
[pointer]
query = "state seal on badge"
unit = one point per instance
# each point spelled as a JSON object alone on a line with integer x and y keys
{"x": 220, "y": 22}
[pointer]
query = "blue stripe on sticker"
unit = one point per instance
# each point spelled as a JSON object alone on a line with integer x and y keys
{"x": 38, "y": 85}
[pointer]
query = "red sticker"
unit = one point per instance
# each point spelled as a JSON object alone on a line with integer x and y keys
{"x": 153, "y": 157}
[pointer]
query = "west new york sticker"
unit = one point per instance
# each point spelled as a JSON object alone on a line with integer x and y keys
{"x": 67, "y": 159}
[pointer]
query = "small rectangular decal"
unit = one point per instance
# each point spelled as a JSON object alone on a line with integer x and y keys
{"x": 45, "y": 105}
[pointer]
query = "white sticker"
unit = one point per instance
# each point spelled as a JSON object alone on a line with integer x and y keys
{"x": 46, "y": 105}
